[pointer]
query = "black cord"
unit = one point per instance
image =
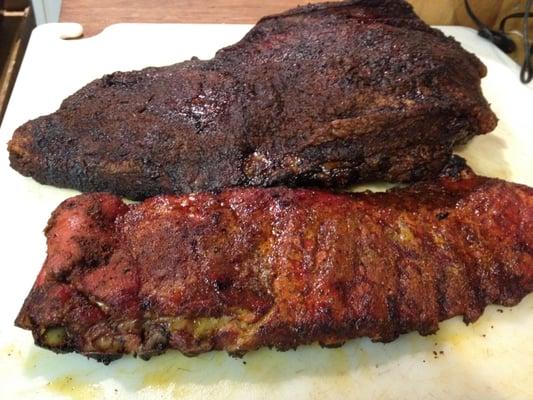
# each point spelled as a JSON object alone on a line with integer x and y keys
{"x": 502, "y": 41}
{"x": 507, "y": 17}
{"x": 526, "y": 72}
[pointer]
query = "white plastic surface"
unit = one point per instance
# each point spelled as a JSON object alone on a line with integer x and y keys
{"x": 491, "y": 359}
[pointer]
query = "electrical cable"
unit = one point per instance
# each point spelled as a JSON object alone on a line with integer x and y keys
{"x": 526, "y": 72}
{"x": 500, "y": 39}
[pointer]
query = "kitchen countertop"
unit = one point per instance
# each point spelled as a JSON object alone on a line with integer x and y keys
{"x": 95, "y": 16}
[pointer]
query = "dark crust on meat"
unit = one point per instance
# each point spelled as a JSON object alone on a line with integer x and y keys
{"x": 326, "y": 94}
{"x": 278, "y": 267}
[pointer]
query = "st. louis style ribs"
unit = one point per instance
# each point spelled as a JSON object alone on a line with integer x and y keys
{"x": 325, "y": 94}
{"x": 278, "y": 267}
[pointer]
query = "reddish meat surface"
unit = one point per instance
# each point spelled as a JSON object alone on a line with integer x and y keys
{"x": 278, "y": 267}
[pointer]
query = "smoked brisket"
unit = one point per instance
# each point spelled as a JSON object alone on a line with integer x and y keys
{"x": 325, "y": 94}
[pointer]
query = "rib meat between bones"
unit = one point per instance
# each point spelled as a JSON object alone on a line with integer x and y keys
{"x": 325, "y": 94}
{"x": 278, "y": 267}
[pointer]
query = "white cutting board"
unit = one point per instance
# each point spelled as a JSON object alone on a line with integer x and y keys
{"x": 491, "y": 359}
